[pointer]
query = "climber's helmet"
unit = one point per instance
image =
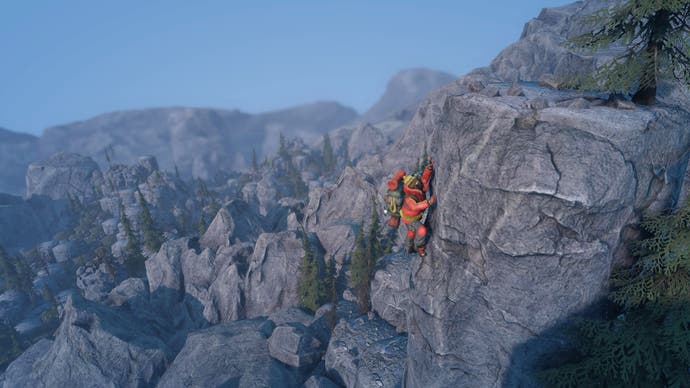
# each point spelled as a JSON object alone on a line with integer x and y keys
{"x": 412, "y": 181}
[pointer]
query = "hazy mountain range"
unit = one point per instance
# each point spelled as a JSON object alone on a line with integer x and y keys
{"x": 200, "y": 142}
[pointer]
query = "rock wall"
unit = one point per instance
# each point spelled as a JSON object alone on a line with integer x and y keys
{"x": 533, "y": 199}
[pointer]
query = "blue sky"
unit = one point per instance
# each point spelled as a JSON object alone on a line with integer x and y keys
{"x": 70, "y": 60}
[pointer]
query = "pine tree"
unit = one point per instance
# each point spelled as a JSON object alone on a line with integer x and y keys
{"x": 331, "y": 291}
{"x": 9, "y": 274}
{"x": 648, "y": 344}
{"x": 329, "y": 160}
{"x": 135, "y": 260}
{"x": 153, "y": 238}
{"x": 374, "y": 243}
{"x": 255, "y": 165}
{"x": 15, "y": 273}
{"x": 309, "y": 287}
{"x": 360, "y": 269}
{"x": 282, "y": 149}
{"x": 656, "y": 35}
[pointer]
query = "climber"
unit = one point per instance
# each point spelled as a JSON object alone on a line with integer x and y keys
{"x": 406, "y": 199}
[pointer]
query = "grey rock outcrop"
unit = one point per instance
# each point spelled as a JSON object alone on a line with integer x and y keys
{"x": 197, "y": 287}
{"x": 96, "y": 281}
{"x": 132, "y": 292}
{"x": 94, "y": 346}
{"x": 18, "y": 374}
{"x": 271, "y": 282}
{"x": 529, "y": 221}
{"x": 231, "y": 354}
{"x": 366, "y": 352}
{"x": 390, "y": 289}
{"x": 295, "y": 345}
{"x": 234, "y": 223}
{"x": 541, "y": 51}
{"x": 333, "y": 212}
{"x": 63, "y": 175}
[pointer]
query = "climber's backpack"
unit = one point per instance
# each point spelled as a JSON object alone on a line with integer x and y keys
{"x": 394, "y": 199}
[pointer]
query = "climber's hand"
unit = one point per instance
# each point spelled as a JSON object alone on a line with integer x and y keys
{"x": 430, "y": 164}
{"x": 432, "y": 200}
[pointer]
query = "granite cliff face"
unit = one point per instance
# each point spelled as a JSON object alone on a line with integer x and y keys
{"x": 538, "y": 192}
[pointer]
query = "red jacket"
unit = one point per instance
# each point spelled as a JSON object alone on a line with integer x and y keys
{"x": 415, "y": 202}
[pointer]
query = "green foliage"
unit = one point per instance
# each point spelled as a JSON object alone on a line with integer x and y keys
{"x": 656, "y": 35}
{"x": 368, "y": 249}
{"x": 15, "y": 273}
{"x": 310, "y": 287}
{"x": 329, "y": 159}
{"x": 209, "y": 206}
{"x": 153, "y": 238}
{"x": 282, "y": 149}
{"x": 359, "y": 269}
{"x": 292, "y": 179}
{"x": 135, "y": 259}
{"x": 648, "y": 344}
{"x": 331, "y": 290}
{"x": 10, "y": 345}
{"x": 255, "y": 164}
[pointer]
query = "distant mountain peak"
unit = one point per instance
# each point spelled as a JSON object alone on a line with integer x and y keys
{"x": 405, "y": 90}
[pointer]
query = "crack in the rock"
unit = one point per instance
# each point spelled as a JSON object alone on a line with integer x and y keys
{"x": 555, "y": 166}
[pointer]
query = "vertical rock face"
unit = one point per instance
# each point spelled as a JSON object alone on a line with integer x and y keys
{"x": 390, "y": 289}
{"x": 271, "y": 281}
{"x": 531, "y": 207}
{"x": 334, "y": 212}
{"x": 62, "y": 176}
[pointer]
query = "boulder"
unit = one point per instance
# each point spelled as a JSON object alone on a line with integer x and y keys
{"x": 349, "y": 201}
{"x": 390, "y": 289}
{"x": 132, "y": 292}
{"x": 366, "y": 352}
{"x": 291, "y": 315}
{"x": 295, "y": 345}
{"x": 271, "y": 281}
{"x": 62, "y": 176}
{"x": 94, "y": 346}
{"x": 334, "y": 212}
{"x": 231, "y": 354}
{"x": 96, "y": 281}
{"x": 235, "y": 222}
